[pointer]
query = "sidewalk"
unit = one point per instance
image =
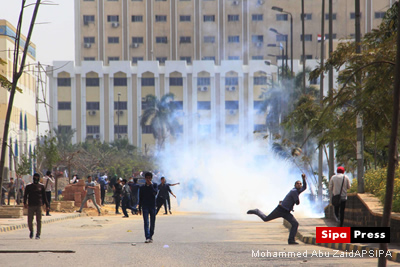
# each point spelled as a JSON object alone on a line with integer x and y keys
{"x": 10, "y": 224}
{"x": 306, "y": 233}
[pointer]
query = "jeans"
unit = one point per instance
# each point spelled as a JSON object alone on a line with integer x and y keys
{"x": 11, "y": 194}
{"x": 117, "y": 200}
{"x": 280, "y": 212}
{"x": 48, "y": 196}
{"x": 161, "y": 201}
{"x": 340, "y": 209}
{"x": 103, "y": 194}
{"x": 169, "y": 203}
{"x": 148, "y": 233}
{"x": 126, "y": 203}
{"x": 35, "y": 210}
{"x": 91, "y": 197}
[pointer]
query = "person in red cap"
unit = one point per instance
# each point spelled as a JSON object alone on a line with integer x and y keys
{"x": 339, "y": 184}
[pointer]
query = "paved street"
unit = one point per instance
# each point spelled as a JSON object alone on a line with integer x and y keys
{"x": 182, "y": 239}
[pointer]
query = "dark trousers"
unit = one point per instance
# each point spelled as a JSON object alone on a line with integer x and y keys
{"x": 11, "y": 194}
{"x": 160, "y": 202}
{"x": 280, "y": 212}
{"x": 149, "y": 211}
{"x": 126, "y": 203}
{"x": 340, "y": 210}
{"x": 48, "y": 196}
{"x": 102, "y": 195}
{"x": 169, "y": 203}
{"x": 117, "y": 200}
{"x": 35, "y": 211}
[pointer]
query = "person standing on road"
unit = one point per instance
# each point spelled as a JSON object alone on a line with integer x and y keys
{"x": 284, "y": 208}
{"x": 20, "y": 184}
{"x": 103, "y": 187}
{"x": 163, "y": 195}
{"x": 48, "y": 182}
{"x": 126, "y": 199}
{"x": 134, "y": 186}
{"x": 117, "y": 195}
{"x": 90, "y": 187}
{"x": 34, "y": 198}
{"x": 147, "y": 203}
{"x": 11, "y": 190}
{"x": 337, "y": 182}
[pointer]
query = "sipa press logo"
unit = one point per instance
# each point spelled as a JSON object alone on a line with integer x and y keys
{"x": 352, "y": 235}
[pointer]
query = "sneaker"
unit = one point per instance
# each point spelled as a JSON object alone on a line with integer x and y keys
{"x": 78, "y": 211}
{"x": 165, "y": 213}
{"x": 170, "y": 212}
{"x": 151, "y": 240}
{"x": 48, "y": 214}
{"x": 37, "y": 237}
{"x": 148, "y": 241}
{"x": 125, "y": 216}
{"x": 118, "y": 212}
{"x": 293, "y": 243}
{"x": 255, "y": 211}
{"x": 336, "y": 218}
{"x": 31, "y": 235}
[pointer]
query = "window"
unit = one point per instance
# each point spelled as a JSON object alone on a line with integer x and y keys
{"x": 187, "y": 59}
{"x": 209, "y": 58}
{"x": 353, "y": 15}
{"x": 307, "y": 57}
{"x": 113, "y": 59}
{"x": 260, "y": 80}
{"x": 204, "y": 105}
{"x": 64, "y": 128}
{"x": 88, "y": 40}
{"x": 232, "y": 128}
{"x": 120, "y": 81}
{"x": 209, "y": 39}
{"x": 257, "y": 57}
{"x": 307, "y": 37}
{"x": 64, "y": 105}
{"x": 92, "y": 105}
{"x": 175, "y": 81}
{"x": 203, "y": 81}
{"x": 161, "y": 59}
{"x": 185, "y": 39}
{"x": 280, "y": 17}
{"x": 257, "y": 38}
{"x": 161, "y": 18}
{"x": 333, "y": 16}
{"x": 209, "y": 18}
{"x": 280, "y": 57}
{"x": 120, "y": 129}
{"x": 137, "y": 18}
{"x": 136, "y": 59}
{"x": 233, "y": 17}
{"x": 88, "y": 19}
{"x": 148, "y": 81}
{"x": 281, "y": 38}
{"x": 178, "y": 105}
{"x": 184, "y": 18}
{"x": 327, "y": 36}
{"x": 63, "y": 81}
{"x": 113, "y": 40}
{"x": 231, "y": 80}
{"x": 257, "y": 17}
{"x": 112, "y": 18}
{"x": 258, "y": 105}
{"x": 137, "y": 40}
{"x": 233, "y": 57}
{"x": 93, "y": 129}
{"x": 161, "y": 39}
{"x": 147, "y": 129}
{"x": 307, "y": 16}
{"x": 92, "y": 81}
{"x": 233, "y": 39}
{"x": 379, "y": 15}
{"x": 89, "y": 59}
{"x": 123, "y": 105}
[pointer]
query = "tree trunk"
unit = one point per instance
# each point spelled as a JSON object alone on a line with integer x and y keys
{"x": 16, "y": 76}
{"x": 393, "y": 151}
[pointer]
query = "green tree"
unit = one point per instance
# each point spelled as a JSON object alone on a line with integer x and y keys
{"x": 47, "y": 154}
{"x": 160, "y": 113}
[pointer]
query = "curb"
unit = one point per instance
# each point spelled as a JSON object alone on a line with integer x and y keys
{"x": 25, "y": 225}
{"x": 395, "y": 256}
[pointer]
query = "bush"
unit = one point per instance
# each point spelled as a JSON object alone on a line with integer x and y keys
{"x": 375, "y": 183}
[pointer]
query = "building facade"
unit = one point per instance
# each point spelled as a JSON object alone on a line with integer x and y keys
{"x": 22, "y": 130}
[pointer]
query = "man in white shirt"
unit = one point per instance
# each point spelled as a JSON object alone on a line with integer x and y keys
{"x": 339, "y": 184}
{"x": 48, "y": 182}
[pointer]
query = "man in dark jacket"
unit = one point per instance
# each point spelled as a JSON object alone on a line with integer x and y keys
{"x": 284, "y": 208}
{"x": 34, "y": 198}
{"x": 147, "y": 203}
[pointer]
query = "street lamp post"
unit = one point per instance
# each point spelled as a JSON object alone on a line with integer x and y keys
{"x": 286, "y": 45}
{"x": 276, "y": 57}
{"x": 119, "y": 95}
{"x": 291, "y": 35}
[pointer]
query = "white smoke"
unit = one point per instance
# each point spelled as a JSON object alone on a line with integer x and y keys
{"x": 231, "y": 177}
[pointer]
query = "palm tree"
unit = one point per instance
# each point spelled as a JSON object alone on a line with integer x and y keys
{"x": 161, "y": 115}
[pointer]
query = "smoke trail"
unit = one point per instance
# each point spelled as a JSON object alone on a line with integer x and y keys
{"x": 230, "y": 177}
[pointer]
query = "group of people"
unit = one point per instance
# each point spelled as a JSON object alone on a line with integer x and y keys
{"x": 338, "y": 185}
{"x": 15, "y": 190}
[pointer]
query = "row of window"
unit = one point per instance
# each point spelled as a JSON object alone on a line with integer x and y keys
{"x": 173, "y": 81}
{"x": 308, "y": 16}
{"x": 118, "y": 105}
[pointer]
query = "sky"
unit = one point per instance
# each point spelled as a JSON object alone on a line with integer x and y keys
{"x": 53, "y": 34}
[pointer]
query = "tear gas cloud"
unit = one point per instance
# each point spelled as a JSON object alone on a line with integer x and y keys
{"x": 230, "y": 177}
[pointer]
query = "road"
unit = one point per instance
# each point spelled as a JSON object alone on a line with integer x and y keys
{"x": 183, "y": 239}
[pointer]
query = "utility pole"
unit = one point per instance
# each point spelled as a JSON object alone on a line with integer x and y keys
{"x": 321, "y": 97}
{"x": 331, "y": 146}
